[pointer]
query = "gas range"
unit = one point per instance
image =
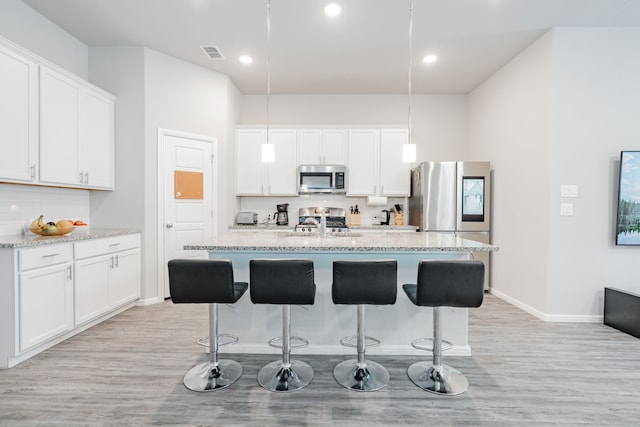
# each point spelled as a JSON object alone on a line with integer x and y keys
{"x": 309, "y": 220}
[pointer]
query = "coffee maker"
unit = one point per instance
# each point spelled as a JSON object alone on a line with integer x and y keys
{"x": 282, "y": 216}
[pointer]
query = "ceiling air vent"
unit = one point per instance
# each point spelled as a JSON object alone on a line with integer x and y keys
{"x": 212, "y": 52}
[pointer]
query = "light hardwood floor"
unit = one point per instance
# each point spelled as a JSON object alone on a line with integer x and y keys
{"x": 128, "y": 371}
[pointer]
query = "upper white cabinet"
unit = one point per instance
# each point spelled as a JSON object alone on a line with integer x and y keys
{"x": 18, "y": 117}
{"x": 395, "y": 175}
{"x": 375, "y": 164}
{"x": 322, "y": 146}
{"x": 363, "y": 159}
{"x": 57, "y": 129}
{"x": 76, "y": 132}
{"x": 255, "y": 178}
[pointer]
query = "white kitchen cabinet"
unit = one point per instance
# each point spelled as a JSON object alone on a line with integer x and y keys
{"x": 45, "y": 294}
{"x": 362, "y": 166}
{"x": 91, "y": 292}
{"x": 96, "y": 151}
{"x": 107, "y": 275}
{"x": 395, "y": 175}
{"x": 51, "y": 292}
{"x": 375, "y": 164}
{"x": 59, "y": 128}
{"x": 18, "y": 117}
{"x": 255, "y": 178}
{"x": 322, "y": 146}
{"x": 76, "y": 132}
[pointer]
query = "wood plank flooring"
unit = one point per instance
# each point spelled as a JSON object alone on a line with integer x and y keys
{"x": 523, "y": 372}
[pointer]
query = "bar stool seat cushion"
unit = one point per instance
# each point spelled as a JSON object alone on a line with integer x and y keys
{"x": 293, "y": 279}
{"x": 447, "y": 284}
{"x": 365, "y": 282}
{"x": 204, "y": 281}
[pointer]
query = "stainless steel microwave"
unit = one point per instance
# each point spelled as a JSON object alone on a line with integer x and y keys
{"x": 322, "y": 179}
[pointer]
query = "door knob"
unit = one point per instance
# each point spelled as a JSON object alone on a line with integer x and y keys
{"x": 169, "y": 225}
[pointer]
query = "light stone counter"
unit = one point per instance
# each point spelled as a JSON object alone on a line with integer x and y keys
{"x": 324, "y": 323}
{"x": 349, "y": 242}
{"x": 80, "y": 233}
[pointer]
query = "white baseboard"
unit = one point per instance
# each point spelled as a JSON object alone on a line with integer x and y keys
{"x": 149, "y": 301}
{"x": 575, "y": 318}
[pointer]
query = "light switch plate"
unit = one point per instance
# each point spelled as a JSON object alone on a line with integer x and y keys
{"x": 566, "y": 209}
{"x": 568, "y": 190}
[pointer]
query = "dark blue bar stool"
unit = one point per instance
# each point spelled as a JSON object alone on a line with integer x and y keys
{"x": 443, "y": 284}
{"x": 363, "y": 283}
{"x": 208, "y": 281}
{"x": 285, "y": 282}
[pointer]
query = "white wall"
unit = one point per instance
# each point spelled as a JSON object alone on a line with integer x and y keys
{"x": 558, "y": 114}
{"x": 27, "y": 28}
{"x": 595, "y": 111}
{"x": 188, "y": 98}
{"x": 509, "y": 124}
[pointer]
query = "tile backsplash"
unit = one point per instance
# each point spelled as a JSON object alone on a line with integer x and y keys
{"x": 21, "y": 204}
{"x": 265, "y": 207}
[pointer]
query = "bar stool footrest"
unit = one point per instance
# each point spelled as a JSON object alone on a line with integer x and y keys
{"x": 232, "y": 339}
{"x": 369, "y": 341}
{"x": 300, "y": 342}
{"x": 417, "y": 344}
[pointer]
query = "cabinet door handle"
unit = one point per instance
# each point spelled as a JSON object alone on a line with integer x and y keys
{"x": 112, "y": 262}
{"x": 69, "y": 273}
{"x": 33, "y": 171}
{"x": 114, "y": 244}
{"x": 117, "y": 261}
{"x": 50, "y": 255}
{"x": 81, "y": 179}
{"x": 86, "y": 177}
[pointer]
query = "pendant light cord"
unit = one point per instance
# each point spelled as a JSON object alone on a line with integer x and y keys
{"x": 410, "y": 60}
{"x": 268, "y": 62}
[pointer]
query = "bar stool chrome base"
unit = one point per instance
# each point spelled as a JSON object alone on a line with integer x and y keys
{"x": 442, "y": 379}
{"x": 206, "y": 377}
{"x": 370, "y": 376}
{"x": 276, "y": 376}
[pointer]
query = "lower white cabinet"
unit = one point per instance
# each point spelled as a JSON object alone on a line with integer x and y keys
{"x": 52, "y": 292}
{"x": 45, "y": 295}
{"x": 107, "y": 275}
{"x": 91, "y": 291}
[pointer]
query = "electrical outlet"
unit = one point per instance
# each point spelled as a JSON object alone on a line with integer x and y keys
{"x": 566, "y": 209}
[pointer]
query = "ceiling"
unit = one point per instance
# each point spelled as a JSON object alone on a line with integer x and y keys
{"x": 364, "y": 50}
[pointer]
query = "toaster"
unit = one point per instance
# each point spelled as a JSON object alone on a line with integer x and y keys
{"x": 247, "y": 218}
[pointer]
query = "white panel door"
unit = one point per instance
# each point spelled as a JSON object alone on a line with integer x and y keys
{"x": 185, "y": 220}
{"x": 362, "y": 162}
{"x": 91, "y": 290}
{"x": 282, "y": 177}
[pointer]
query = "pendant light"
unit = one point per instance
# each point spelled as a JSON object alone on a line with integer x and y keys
{"x": 268, "y": 150}
{"x": 409, "y": 149}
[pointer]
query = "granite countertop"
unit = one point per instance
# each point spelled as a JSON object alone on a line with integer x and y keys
{"x": 80, "y": 233}
{"x": 290, "y": 227}
{"x": 354, "y": 242}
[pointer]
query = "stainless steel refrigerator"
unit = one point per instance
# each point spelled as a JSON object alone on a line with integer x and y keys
{"x": 454, "y": 197}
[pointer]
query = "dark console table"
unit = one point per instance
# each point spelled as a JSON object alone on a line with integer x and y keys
{"x": 622, "y": 310}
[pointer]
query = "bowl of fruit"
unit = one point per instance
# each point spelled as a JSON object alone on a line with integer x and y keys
{"x": 59, "y": 228}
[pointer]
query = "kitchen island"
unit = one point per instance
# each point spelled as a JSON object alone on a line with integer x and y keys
{"x": 324, "y": 323}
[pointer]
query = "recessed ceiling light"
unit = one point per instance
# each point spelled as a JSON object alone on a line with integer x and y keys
{"x": 245, "y": 59}
{"x": 429, "y": 59}
{"x": 332, "y": 9}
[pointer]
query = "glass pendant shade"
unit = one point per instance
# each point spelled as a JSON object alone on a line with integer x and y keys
{"x": 409, "y": 153}
{"x": 268, "y": 153}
